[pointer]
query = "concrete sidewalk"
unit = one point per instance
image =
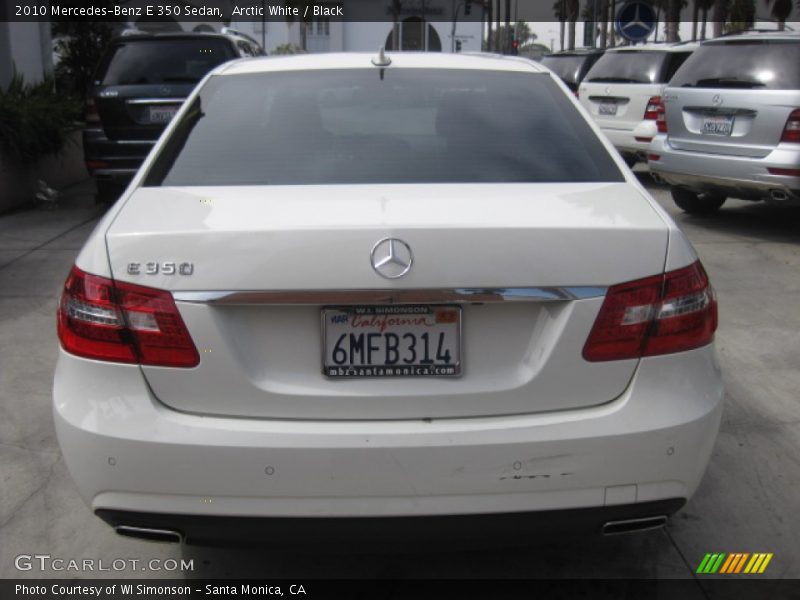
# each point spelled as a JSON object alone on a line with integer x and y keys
{"x": 40, "y": 510}
{"x": 27, "y": 230}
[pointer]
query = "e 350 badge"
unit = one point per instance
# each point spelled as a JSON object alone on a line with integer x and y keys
{"x": 165, "y": 268}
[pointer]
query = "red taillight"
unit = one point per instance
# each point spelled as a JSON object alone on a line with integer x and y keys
{"x": 92, "y": 165}
{"x": 655, "y": 111}
{"x": 653, "y": 157}
{"x": 662, "y": 314}
{"x": 785, "y": 172}
{"x": 791, "y": 132}
{"x": 121, "y": 322}
{"x": 91, "y": 115}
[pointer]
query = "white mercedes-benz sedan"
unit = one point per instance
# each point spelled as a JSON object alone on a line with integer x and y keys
{"x": 393, "y": 289}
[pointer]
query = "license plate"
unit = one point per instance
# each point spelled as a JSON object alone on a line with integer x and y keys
{"x": 607, "y": 108}
{"x": 391, "y": 341}
{"x": 718, "y": 125}
{"x": 162, "y": 114}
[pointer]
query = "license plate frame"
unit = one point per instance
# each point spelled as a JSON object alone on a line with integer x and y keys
{"x": 381, "y": 320}
{"x": 161, "y": 114}
{"x": 711, "y": 125}
{"x": 607, "y": 109}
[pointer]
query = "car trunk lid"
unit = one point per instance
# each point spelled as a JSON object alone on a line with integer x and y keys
{"x": 261, "y": 355}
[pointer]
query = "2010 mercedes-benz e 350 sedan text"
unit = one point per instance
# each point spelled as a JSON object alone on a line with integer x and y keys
{"x": 399, "y": 288}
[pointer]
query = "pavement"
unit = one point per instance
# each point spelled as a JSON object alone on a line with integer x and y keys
{"x": 747, "y": 502}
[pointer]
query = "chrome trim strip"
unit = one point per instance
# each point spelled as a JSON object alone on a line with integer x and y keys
{"x": 155, "y": 101}
{"x": 400, "y": 296}
{"x": 151, "y": 142}
{"x": 115, "y": 171}
{"x": 147, "y": 532}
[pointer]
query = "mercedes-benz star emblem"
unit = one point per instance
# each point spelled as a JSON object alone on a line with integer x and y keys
{"x": 716, "y": 99}
{"x": 391, "y": 258}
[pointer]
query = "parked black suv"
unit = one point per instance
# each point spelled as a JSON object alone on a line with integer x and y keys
{"x": 572, "y": 65}
{"x": 138, "y": 87}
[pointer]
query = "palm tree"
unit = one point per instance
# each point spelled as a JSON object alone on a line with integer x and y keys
{"x": 604, "y": 20}
{"x": 721, "y": 9}
{"x": 397, "y": 6}
{"x": 672, "y": 19}
{"x": 705, "y": 6}
{"x": 781, "y": 9}
{"x": 612, "y": 30}
{"x": 741, "y": 15}
{"x": 701, "y": 6}
{"x": 560, "y": 10}
{"x": 573, "y": 7}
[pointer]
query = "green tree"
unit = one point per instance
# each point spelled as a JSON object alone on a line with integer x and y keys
{"x": 35, "y": 120}
{"x": 741, "y": 15}
{"x": 79, "y": 47}
{"x": 520, "y": 32}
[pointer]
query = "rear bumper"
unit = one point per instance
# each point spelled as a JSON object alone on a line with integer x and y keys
{"x": 736, "y": 176}
{"x": 411, "y": 531}
{"x": 120, "y": 159}
{"x": 626, "y": 142}
{"x": 127, "y": 452}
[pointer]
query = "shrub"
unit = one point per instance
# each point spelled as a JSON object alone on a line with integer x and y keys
{"x": 287, "y": 49}
{"x": 34, "y": 119}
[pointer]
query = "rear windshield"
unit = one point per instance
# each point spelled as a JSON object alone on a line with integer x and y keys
{"x": 381, "y": 126}
{"x": 756, "y": 64}
{"x": 628, "y": 67}
{"x": 568, "y": 67}
{"x": 162, "y": 61}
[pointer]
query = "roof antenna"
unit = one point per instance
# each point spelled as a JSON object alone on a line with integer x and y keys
{"x": 381, "y": 60}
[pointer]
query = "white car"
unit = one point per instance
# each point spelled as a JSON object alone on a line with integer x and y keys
{"x": 622, "y": 91}
{"x": 381, "y": 287}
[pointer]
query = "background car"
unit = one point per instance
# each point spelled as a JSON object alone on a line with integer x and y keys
{"x": 139, "y": 85}
{"x": 732, "y": 123}
{"x": 622, "y": 92}
{"x": 368, "y": 296}
{"x": 572, "y": 65}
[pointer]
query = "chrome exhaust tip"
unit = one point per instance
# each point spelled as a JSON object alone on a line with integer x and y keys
{"x": 634, "y": 525}
{"x": 778, "y": 195}
{"x": 152, "y": 535}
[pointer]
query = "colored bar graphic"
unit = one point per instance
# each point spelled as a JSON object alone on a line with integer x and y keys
{"x": 754, "y": 562}
{"x": 728, "y": 564}
{"x": 764, "y": 564}
{"x": 718, "y": 562}
{"x": 740, "y": 564}
{"x": 703, "y": 563}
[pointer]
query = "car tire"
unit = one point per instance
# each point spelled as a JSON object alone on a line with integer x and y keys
{"x": 630, "y": 160}
{"x": 696, "y": 203}
{"x": 107, "y": 193}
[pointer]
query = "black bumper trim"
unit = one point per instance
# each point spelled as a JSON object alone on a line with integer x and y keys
{"x": 302, "y": 531}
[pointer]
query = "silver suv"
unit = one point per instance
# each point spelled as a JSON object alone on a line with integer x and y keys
{"x": 732, "y": 125}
